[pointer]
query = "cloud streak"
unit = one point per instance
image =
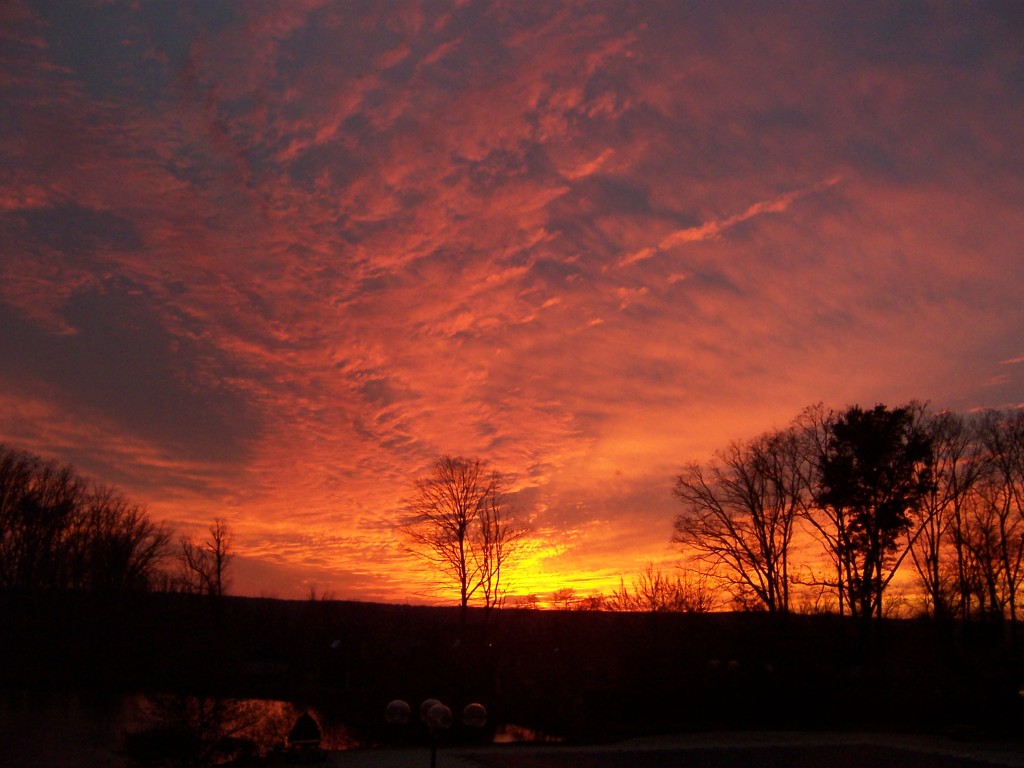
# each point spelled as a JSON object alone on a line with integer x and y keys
{"x": 714, "y": 229}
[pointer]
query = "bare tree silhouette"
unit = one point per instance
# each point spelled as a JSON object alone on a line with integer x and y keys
{"x": 204, "y": 565}
{"x": 740, "y": 512}
{"x": 938, "y": 553}
{"x": 59, "y": 531}
{"x": 993, "y": 537}
{"x": 457, "y": 521}
{"x": 654, "y": 591}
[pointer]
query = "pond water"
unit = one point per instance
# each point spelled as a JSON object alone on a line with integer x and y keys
{"x": 83, "y": 729}
{"x": 75, "y": 729}
{"x": 514, "y": 734}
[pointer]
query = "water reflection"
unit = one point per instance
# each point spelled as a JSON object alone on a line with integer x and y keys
{"x": 208, "y": 730}
{"x": 82, "y": 729}
{"x": 514, "y": 734}
{"x": 76, "y": 729}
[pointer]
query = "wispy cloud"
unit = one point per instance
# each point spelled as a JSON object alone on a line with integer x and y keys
{"x": 715, "y": 228}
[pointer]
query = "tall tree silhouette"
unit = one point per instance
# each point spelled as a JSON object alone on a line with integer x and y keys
{"x": 938, "y": 554}
{"x": 739, "y": 515}
{"x": 457, "y": 521}
{"x": 995, "y": 533}
{"x": 873, "y": 476}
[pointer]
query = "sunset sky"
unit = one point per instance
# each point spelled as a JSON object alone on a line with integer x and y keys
{"x": 268, "y": 261}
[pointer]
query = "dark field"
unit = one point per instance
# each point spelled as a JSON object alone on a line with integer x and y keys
{"x": 740, "y": 757}
{"x": 586, "y": 678}
{"x": 744, "y": 751}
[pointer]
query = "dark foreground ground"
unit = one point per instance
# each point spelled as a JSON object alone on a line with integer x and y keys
{"x": 583, "y": 676}
{"x": 750, "y": 750}
{"x": 604, "y": 684}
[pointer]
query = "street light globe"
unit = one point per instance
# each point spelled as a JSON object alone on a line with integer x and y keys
{"x": 474, "y": 715}
{"x": 426, "y": 706}
{"x": 439, "y": 717}
{"x": 397, "y": 712}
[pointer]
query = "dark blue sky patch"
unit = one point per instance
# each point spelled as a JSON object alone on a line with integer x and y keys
{"x": 123, "y": 365}
{"x": 101, "y": 46}
{"x": 74, "y": 230}
{"x": 713, "y": 280}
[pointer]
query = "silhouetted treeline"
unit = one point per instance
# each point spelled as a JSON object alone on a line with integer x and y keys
{"x": 833, "y": 507}
{"x": 60, "y": 531}
{"x": 577, "y": 674}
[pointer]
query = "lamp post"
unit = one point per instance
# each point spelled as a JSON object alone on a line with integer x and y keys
{"x": 437, "y": 716}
